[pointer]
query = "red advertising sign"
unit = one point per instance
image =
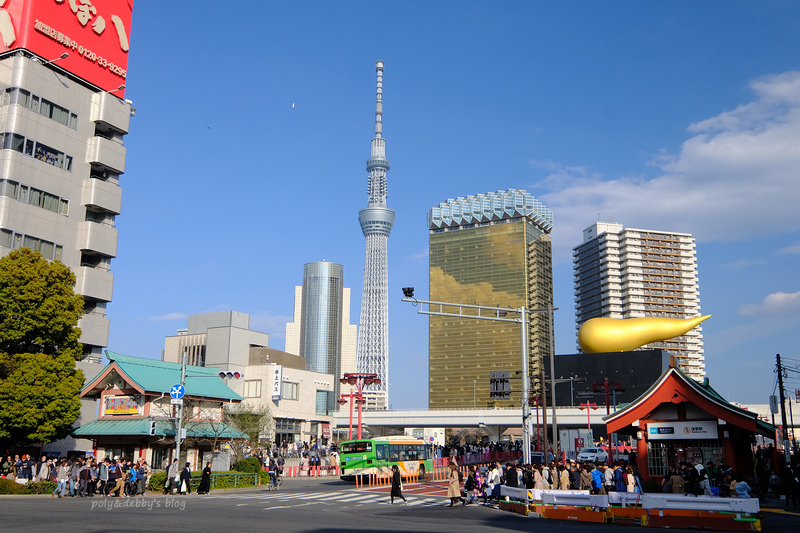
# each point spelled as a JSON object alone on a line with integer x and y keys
{"x": 94, "y": 33}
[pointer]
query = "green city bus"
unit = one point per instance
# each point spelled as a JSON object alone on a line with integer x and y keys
{"x": 376, "y": 456}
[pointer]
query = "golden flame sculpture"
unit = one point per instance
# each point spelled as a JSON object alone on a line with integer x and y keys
{"x": 621, "y": 334}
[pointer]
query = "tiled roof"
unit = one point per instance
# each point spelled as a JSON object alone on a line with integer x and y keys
{"x": 154, "y": 376}
{"x": 141, "y": 427}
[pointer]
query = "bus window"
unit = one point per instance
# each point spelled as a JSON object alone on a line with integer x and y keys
{"x": 357, "y": 447}
{"x": 381, "y": 452}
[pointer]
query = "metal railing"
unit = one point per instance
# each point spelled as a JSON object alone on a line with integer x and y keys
{"x": 232, "y": 480}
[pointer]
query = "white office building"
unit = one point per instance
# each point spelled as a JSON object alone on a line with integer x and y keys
{"x": 626, "y": 273}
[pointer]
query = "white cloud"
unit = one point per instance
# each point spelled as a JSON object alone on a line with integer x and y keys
{"x": 741, "y": 264}
{"x": 735, "y": 178}
{"x": 420, "y": 257}
{"x": 793, "y": 249}
{"x": 168, "y": 317}
{"x": 775, "y": 304}
{"x": 275, "y": 325}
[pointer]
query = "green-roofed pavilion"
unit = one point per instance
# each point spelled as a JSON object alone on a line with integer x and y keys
{"x": 136, "y": 415}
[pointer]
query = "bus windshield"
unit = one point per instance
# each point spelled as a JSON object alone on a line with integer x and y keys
{"x": 357, "y": 447}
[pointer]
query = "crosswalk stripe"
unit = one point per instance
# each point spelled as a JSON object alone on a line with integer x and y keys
{"x": 359, "y": 498}
{"x": 338, "y": 497}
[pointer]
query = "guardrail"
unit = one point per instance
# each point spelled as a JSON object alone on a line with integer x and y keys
{"x": 228, "y": 480}
{"x": 655, "y": 502}
{"x": 477, "y": 458}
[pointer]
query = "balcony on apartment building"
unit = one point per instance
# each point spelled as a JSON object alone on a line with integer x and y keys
{"x": 99, "y": 237}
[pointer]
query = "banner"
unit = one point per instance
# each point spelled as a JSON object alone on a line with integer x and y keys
{"x": 277, "y": 381}
{"x": 694, "y": 429}
{"x": 121, "y": 405}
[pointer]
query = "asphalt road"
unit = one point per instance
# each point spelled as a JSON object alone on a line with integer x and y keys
{"x": 320, "y": 505}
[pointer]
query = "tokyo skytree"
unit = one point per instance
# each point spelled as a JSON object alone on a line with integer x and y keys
{"x": 376, "y": 223}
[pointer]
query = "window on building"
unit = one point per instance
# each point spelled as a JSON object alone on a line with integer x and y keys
{"x": 51, "y": 156}
{"x": 49, "y": 250}
{"x": 15, "y": 95}
{"x": 289, "y": 391}
{"x": 322, "y": 402}
{"x": 252, "y": 388}
{"x": 32, "y": 196}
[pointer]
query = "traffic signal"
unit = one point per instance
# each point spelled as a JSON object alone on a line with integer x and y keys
{"x": 152, "y": 428}
{"x": 499, "y": 385}
{"x": 230, "y": 375}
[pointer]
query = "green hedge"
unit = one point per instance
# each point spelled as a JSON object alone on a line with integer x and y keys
{"x": 8, "y": 486}
{"x": 221, "y": 480}
{"x": 251, "y": 464}
{"x": 156, "y": 481}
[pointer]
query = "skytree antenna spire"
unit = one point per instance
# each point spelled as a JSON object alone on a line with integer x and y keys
{"x": 376, "y": 223}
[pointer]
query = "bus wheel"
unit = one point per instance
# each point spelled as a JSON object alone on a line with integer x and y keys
{"x": 422, "y": 473}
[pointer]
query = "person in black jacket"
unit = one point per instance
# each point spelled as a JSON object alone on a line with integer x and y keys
{"x": 397, "y": 486}
{"x": 186, "y": 480}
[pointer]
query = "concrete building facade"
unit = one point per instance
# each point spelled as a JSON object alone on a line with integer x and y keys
{"x": 62, "y": 158}
{"x": 492, "y": 249}
{"x": 298, "y": 399}
{"x": 627, "y": 273}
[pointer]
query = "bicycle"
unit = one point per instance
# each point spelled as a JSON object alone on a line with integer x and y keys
{"x": 107, "y": 488}
{"x": 275, "y": 480}
{"x": 131, "y": 488}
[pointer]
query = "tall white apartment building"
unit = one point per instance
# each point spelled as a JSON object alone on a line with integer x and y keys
{"x": 628, "y": 273}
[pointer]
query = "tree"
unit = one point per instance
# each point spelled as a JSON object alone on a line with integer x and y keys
{"x": 39, "y": 383}
{"x": 255, "y": 421}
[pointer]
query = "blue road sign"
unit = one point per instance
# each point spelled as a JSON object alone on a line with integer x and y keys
{"x": 177, "y": 391}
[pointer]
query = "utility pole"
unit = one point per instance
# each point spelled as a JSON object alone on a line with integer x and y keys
{"x": 779, "y": 369}
{"x": 179, "y": 431}
{"x": 552, "y": 376}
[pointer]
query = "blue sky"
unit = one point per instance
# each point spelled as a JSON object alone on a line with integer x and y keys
{"x": 680, "y": 116}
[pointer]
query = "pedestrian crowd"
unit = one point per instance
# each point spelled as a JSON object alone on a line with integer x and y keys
{"x": 80, "y": 477}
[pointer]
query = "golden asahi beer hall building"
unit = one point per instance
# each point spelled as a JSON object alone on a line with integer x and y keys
{"x": 681, "y": 420}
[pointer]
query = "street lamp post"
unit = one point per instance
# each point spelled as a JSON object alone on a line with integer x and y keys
{"x": 498, "y": 314}
{"x": 359, "y": 381}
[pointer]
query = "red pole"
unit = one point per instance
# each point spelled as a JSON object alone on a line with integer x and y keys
{"x": 351, "y": 417}
{"x": 359, "y": 416}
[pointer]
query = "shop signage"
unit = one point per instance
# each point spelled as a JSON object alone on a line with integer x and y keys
{"x": 277, "y": 380}
{"x": 121, "y": 405}
{"x": 693, "y": 429}
{"x": 95, "y": 35}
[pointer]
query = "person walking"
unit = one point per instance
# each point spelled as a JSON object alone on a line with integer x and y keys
{"x": 186, "y": 480}
{"x": 454, "y": 486}
{"x": 61, "y": 479}
{"x": 43, "y": 470}
{"x": 492, "y": 487}
{"x": 397, "y": 486}
{"x": 205, "y": 482}
{"x": 172, "y": 476}
{"x": 677, "y": 482}
{"x": 586, "y": 479}
{"x": 630, "y": 481}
